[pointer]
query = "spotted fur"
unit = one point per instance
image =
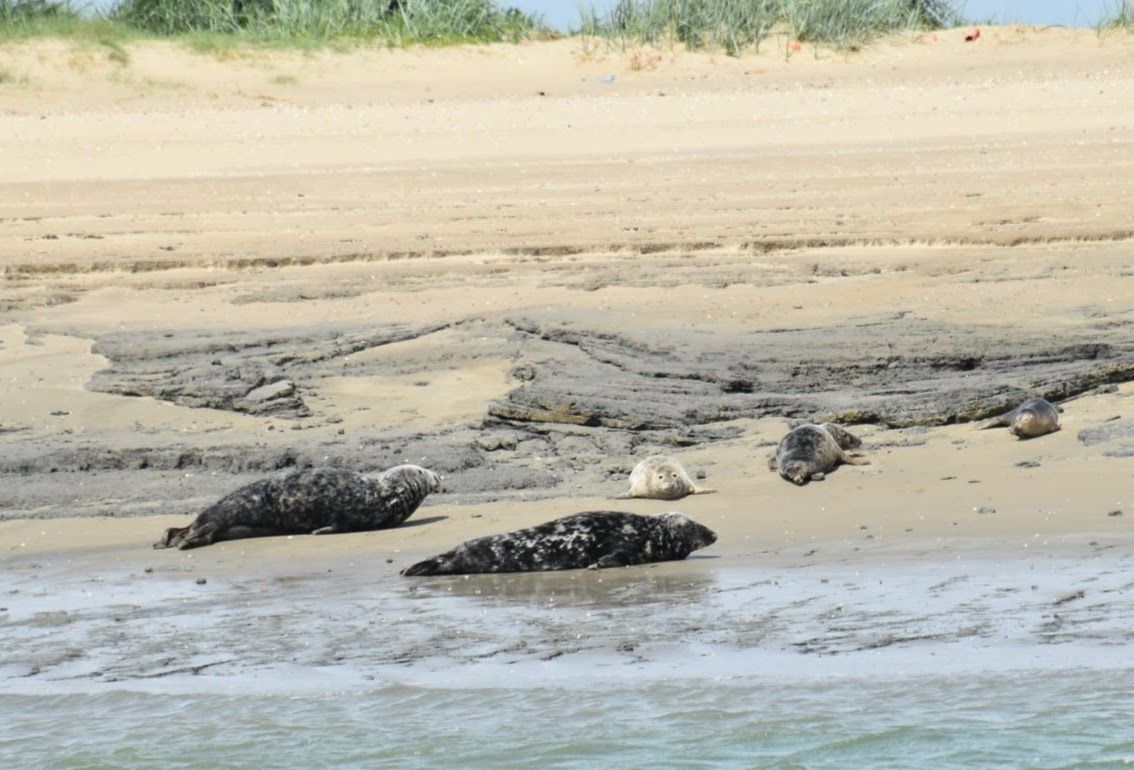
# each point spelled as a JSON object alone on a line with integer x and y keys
{"x": 594, "y": 539}
{"x": 810, "y": 452}
{"x": 318, "y": 501}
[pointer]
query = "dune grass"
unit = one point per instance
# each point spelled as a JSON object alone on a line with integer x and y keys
{"x": 219, "y": 24}
{"x": 1119, "y": 16}
{"x": 736, "y": 25}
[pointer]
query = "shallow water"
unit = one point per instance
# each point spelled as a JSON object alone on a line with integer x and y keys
{"x": 1070, "y": 720}
{"x": 1022, "y": 660}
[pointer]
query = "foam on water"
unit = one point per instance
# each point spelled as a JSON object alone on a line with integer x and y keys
{"x": 972, "y": 660}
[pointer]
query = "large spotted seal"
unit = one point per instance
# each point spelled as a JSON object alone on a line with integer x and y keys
{"x": 594, "y": 539}
{"x": 319, "y": 501}
{"x": 812, "y": 451}
{"x": 661, "y": 477}
{"x": 1032, "y": 418}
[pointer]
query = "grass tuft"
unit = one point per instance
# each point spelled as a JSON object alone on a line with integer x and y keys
{"x": 737, "y": 25}
{"x": 1119, "y": 16}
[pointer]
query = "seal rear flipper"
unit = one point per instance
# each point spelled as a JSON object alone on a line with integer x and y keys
{"x": 1003, "y": 421}
{"x": 427, "y": 567}
{"x": 172, "y": 537}
{"x": 198, "y": 535}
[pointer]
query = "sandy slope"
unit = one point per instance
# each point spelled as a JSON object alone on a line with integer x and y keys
{"x": 986, "y": 186}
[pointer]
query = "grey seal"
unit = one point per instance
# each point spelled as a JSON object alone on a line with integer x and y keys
{"x": 812, "y": 451}
{"x": 1032, "y": 418}
{"x": 661, "y": 477}
{"x": 319, "y": 501}
{"x": 593, "y": 539}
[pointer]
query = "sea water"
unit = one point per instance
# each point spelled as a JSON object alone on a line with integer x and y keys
{"x": 974, "y": 662}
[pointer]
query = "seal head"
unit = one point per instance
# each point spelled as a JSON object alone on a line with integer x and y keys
{"x": 809, "y": 452}
{"x": 318, "y": 501}
{"x": 661, "y": 477}
{"x": 592, "y": 539}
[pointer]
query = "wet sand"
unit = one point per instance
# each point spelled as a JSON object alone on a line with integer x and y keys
{"x": 489, "y": 262}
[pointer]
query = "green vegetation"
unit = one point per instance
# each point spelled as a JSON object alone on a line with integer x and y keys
{"x": 1120, "y": 16}
{"x": 219, "y": 24}
{"x": 736, "y": 25}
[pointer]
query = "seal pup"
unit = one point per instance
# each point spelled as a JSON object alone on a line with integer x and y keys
{"x": 1032, "y": 418}
{"x": 661, "y": 477}
{"x": 812, "y": 451}
{"x": 320, "y": 501}
{"x": 592, "y": 539}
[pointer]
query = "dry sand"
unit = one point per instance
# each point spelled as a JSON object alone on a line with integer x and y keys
{"x": 481, "y": 205}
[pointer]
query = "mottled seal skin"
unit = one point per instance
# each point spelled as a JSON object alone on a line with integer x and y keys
{"x": 810, "y": 452}
{"x": 660, "y": 477}
{"x": 1032, "y": 418}
{"x": 319, "y": 501}
{"x": 594, "y": 539}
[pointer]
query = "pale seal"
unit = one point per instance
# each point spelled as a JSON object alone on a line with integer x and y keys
{"x": 594, "y": 539}
{"x": 1032, "y": 418}
{"x": 812, "y": 451}
{"x": 661, "y": 477}
{"x": 319, "y": 501}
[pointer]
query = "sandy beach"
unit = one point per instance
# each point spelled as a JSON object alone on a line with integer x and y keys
{"x": 502, "y": 264}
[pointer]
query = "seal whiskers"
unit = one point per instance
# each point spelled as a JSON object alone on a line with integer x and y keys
{"x": 661, "y": 477}
{"x": 1034, "y": 417}
{"x": 810, "y": 452}
{"x": 592, "y": 539}
{"x": 317, "y": 501}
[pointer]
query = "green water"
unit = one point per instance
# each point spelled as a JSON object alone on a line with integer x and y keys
{"x": 1068, "y": 720}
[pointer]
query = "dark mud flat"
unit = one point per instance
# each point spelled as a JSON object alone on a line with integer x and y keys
{"x": 930, "y": 611}
{"x": 589, "y": 393}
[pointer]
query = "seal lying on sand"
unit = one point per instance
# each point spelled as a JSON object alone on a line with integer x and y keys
{"x": 661, "y": 478}
{"x": 1034, "y": 417}
{"x": 812, "y": 451}
{"x": 594, "y": 539}
{"x": 320, "y": 501}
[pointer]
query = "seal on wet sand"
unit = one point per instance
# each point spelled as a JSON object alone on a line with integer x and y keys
{"x": 812, "y": 451}
{"x": 661, "y": 477}
{"x": 593, "y": 539}
{"x": 320, "y": 501}
{"x": 1032, "y": 418}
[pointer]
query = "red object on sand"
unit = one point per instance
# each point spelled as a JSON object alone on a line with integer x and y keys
{"x": 974, "y": 33}
{"x": 796, "y": 45}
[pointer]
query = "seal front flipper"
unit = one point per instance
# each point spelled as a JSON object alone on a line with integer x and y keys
{"x": 855, "y": 460}
{"x": 620, "y": 558}
{"x": 772, "y": 462}
{"x": 331, "y": 530}
{"x": 704, "y": 491}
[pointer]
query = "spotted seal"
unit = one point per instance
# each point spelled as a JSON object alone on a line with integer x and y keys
{"x": 593, "y": 539}
{"x": 812, "y": 451}
{"x": 1032, "y": 418}
{"x": 661, "y": 477}
{"x": 320, "y": 501}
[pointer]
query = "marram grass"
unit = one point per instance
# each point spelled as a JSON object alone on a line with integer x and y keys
{"x": 736, "y": 25}
{"x": 285, "y": 22}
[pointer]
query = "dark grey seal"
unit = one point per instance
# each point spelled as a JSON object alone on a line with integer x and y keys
{"x": 810, "y": 452}
{"x": 1032, "y": 418}
{"x": 594, "y": 539}
{"x": 320, "y": 501}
